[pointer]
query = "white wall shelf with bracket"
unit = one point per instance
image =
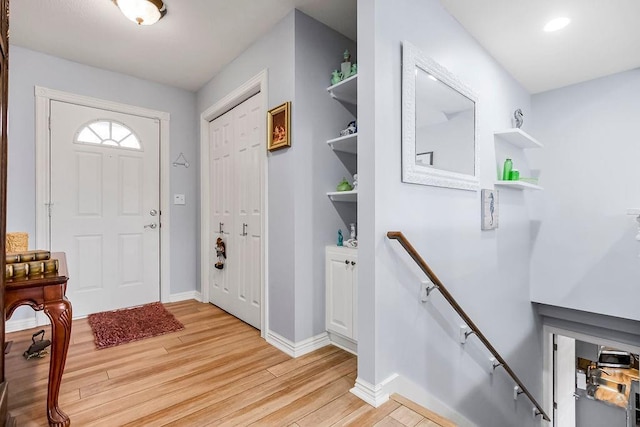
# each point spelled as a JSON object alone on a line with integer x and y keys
{"x": 518, "y": 185}
{"x": 347, "y": 143}
{"x": 343, "y": 196}
{"x": 346, "y": 90}
{"x": 518, "y": 137}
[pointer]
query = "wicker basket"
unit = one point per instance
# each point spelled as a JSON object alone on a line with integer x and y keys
{"x": 17, "y": 242}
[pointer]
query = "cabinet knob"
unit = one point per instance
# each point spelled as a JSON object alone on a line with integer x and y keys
{"x": 346, "y": 261}
{"x": 353, "y": 263}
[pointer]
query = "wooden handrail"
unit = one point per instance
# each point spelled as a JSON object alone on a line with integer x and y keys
{"x": 397, "y": 235}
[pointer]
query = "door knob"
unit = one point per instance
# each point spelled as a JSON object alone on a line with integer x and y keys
{"x": 152, "y": 226}
{"x": 153, "y": 212}
{"x": 346, "y": 261}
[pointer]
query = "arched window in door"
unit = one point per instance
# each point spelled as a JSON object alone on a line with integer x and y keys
{"x": 108, "y": 133}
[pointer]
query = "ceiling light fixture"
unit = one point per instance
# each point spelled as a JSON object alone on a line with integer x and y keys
{"x": 142, "y": 12}
{"x": 556, "y": 24}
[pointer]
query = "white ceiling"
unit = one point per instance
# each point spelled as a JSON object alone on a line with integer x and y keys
{"x": 184, "y": 49}
{"x": 197, "y": 38}
{"x": 603, "y": 37}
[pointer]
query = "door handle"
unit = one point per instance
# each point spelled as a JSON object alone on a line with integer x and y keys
{"x": 153, "y": 212}
{"x": 152, "y": 226}
{"x": 244, "y": 229}
{"x": 220, "y": 225}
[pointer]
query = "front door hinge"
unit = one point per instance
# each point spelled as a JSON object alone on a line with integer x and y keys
{"x": 49, "y": 122}
{"x": 555, "y": 347}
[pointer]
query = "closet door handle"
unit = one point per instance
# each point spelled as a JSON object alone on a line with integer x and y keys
{"x": 244, "y": 229}
{"x": 346, "y": 262}
{"x": 353, "y": 263}
{"x": 220, "y": 225}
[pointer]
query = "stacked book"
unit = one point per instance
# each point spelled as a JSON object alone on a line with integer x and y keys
{"x": 29, "y": 263}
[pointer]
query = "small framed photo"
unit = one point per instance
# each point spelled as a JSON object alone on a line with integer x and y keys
{"x": 489, "y": 209}
{"x": 425, "y": 159}
{"x": 279, "y": 127}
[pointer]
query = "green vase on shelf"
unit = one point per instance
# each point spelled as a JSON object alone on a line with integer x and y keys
{"x": 506, "y": 170}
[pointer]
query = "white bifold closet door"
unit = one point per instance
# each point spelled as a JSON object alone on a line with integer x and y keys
{"x": 236, "y": 142}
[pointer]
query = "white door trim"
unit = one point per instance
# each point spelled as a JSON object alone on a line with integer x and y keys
{"x": 547, "y": 348}
{"x": 256, "y": 84}
{"x": 43, "y": 233}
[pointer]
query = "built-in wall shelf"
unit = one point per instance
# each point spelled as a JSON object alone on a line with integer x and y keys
{"x": 343, "y": 196}
{"x": 346, "y": 90}
{"x": 518, "y": 185}
{"x": 519, "y": 138}
{"x": 347, "y": 143}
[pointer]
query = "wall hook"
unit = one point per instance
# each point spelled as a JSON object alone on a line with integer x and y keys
{"x": 184, "y": 161}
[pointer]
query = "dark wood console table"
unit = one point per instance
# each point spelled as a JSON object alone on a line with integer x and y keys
{"x": 47, "y": 292}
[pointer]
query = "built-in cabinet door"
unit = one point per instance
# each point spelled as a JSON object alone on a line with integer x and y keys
{"x": 341, "y": 280}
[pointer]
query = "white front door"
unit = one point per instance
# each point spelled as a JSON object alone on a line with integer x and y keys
{"x": 104, "y": 199}
{"x": 236, "y": 144}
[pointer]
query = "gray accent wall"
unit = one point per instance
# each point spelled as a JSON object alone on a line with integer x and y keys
{"x": 486, "y": 271}
{"x": 28, "y": 69}
{"x": 585, "y": 255}
{"x": 299, "y": 54}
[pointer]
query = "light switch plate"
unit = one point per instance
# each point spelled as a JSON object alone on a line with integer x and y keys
{"x": 178, "y": 199}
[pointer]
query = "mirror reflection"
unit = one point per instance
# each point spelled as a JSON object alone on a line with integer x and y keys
{"x": 444, "y": 125}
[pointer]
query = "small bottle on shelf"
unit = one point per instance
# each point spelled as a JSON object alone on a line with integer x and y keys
{"x": 506, "y": 170}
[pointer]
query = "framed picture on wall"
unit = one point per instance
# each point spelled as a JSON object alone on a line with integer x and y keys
{"x": 489, "y": 209}
{"x": 279, "y": 127}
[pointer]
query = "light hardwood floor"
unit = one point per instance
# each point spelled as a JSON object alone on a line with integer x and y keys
{"x": 217, "y": 371}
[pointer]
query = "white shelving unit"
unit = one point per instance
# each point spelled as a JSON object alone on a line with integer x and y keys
{"x": 519, "y": 138}
{"x": 343, "y": 196}
{"x": 346, "y": 90}
{"x": 518, "y": 185}
{"x": 347, "y": 143}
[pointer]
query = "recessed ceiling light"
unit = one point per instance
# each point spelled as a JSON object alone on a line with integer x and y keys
{"x": 556, "y": 24}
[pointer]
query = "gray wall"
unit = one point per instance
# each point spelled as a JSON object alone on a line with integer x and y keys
{"x": 486, "y": 271}
{"x": 302, "y": 220}
{"x": 27, "y": 69}
{"x": 591, "y": 177}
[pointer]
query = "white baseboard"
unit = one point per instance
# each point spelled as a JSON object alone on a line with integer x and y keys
{"x": 344, "y": 343}
{"x": 183, "y": 296}
{"x": 406, "y": 388}
{"x": 300, "y": 348}
{"x": 20, "y": 324}
{"x": 374, "y": 395}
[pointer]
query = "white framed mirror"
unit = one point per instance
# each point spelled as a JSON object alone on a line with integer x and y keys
{"x": 439, "y": 125}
